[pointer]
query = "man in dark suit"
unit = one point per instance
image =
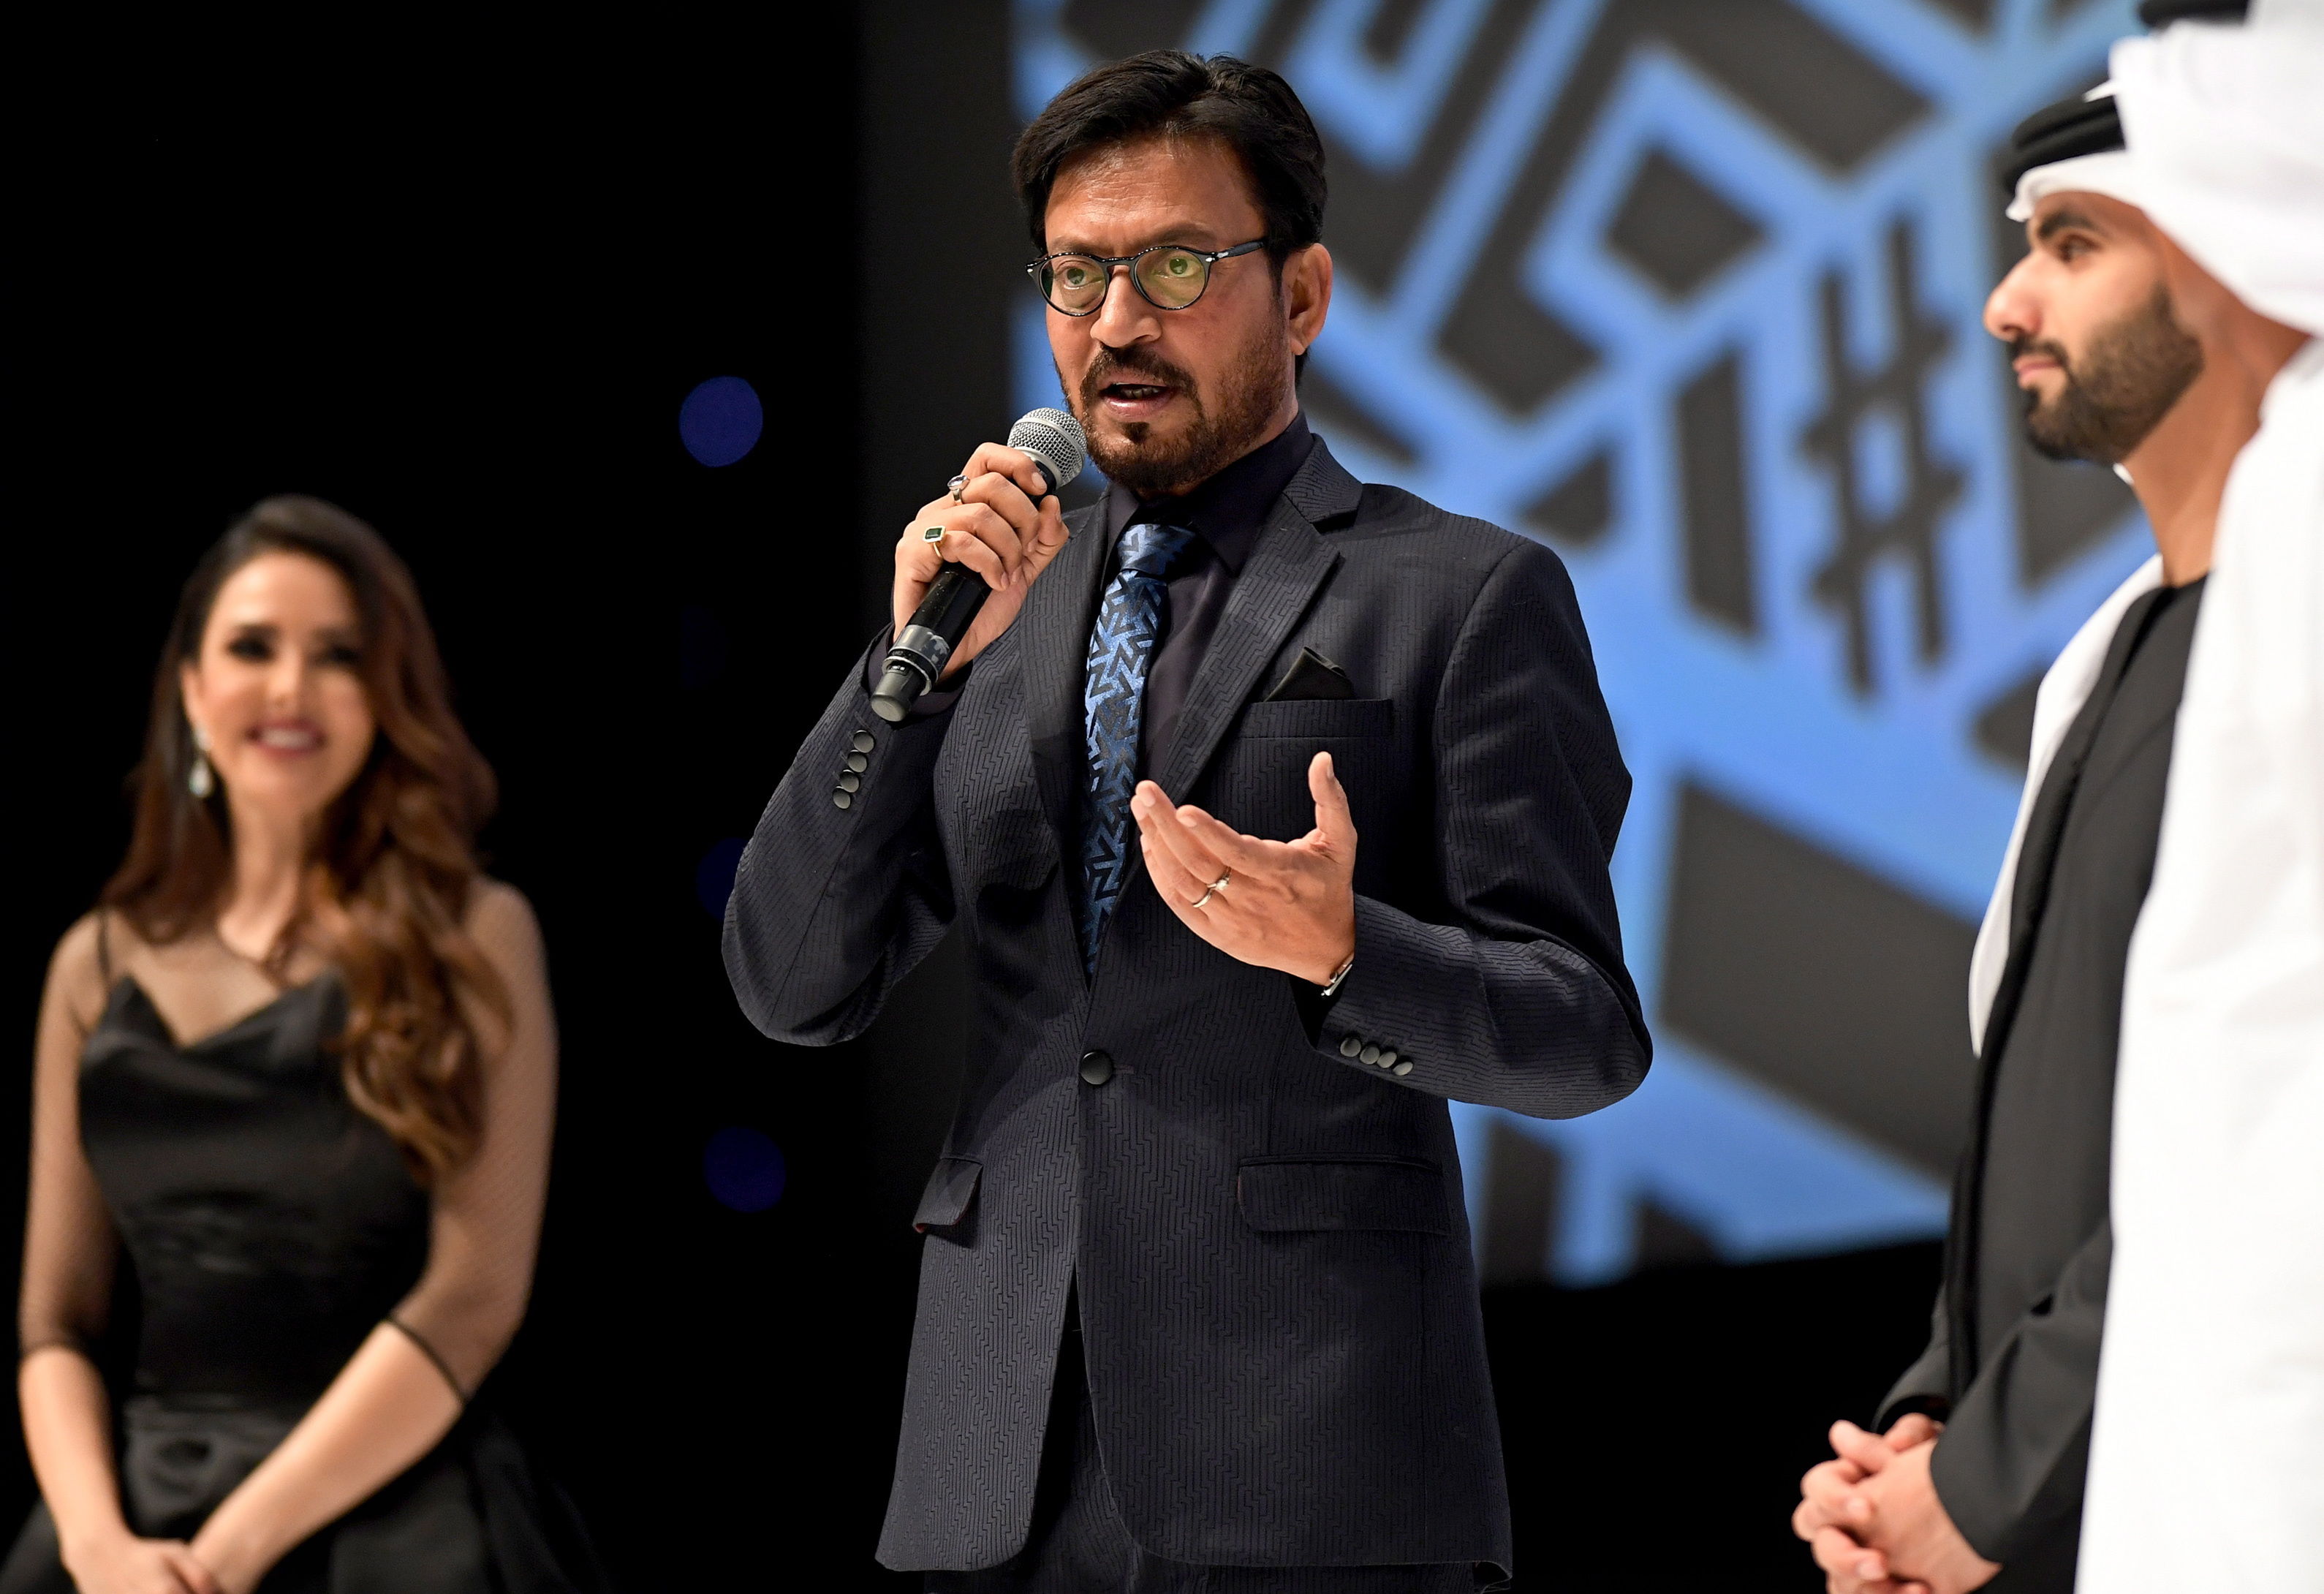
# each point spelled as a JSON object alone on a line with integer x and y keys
{"x": 1197, "y": 1307}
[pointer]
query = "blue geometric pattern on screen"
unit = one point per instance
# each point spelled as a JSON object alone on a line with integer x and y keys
{"x": 1113, "y": 708}
{"x": 1876, "y": 594}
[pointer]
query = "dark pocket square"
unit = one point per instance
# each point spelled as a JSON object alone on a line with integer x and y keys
{"x": 1311, "y": 676}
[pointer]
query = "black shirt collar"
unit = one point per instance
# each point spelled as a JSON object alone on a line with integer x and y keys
{"x": 1229, "y": 511}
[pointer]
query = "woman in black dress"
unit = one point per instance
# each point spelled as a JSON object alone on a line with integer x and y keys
{"x": 300, "y": 1064}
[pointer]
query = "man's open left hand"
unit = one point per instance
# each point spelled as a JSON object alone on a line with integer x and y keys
{"x": 1284, "y": 904}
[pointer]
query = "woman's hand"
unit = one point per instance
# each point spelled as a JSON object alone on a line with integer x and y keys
{"x": 124, "y": 1563}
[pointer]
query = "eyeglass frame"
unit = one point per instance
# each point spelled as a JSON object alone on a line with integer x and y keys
{"x": 1209, "y": 257}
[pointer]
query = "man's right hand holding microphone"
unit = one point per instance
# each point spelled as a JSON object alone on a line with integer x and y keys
{"x": 1002, "y": 522}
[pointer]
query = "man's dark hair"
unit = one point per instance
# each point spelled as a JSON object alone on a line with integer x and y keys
{"x": 1171, "y": 93}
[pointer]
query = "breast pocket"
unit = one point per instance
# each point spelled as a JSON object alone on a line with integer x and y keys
{"x": 1261, "y": 786}
{"x": 1321, "y": 720}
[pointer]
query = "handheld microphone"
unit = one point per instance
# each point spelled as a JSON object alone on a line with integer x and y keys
{"x": 1055, "y": 441}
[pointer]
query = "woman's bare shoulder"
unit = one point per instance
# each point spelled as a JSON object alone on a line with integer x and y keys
{"x": 78, "y": 974}
{"x": 502, "y": 921}
{"x": 77, "y": 948}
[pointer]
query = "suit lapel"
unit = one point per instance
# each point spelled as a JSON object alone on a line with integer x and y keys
{"x": 2045, "y": 829}
{"x": 1272, "y": 593}
{"x": 1057, "y": 623}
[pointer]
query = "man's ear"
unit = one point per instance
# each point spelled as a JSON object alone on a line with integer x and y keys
{"x": 1306, "y": 294}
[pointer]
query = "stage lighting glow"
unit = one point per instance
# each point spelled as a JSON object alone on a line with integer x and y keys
{"x": 714, "y": 877}
{"x": 743, "y": 1168}
{"x": 721, "y": 420}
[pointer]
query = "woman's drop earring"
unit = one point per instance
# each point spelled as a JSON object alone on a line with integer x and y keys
{"x": 198, "y": 780}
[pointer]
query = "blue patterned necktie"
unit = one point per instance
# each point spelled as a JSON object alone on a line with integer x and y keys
{"x": 1113, "y": 706}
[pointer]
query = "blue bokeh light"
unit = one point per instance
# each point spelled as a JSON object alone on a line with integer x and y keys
{"x": 721, "y": 420}
{"x": 743, "y": 1168}
{"x": 714, "y": 877}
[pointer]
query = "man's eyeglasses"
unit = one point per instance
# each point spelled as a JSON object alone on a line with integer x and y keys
{"x": 1168, "y": 276}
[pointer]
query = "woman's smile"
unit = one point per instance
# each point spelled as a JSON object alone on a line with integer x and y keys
{"x": 288, "y": 737}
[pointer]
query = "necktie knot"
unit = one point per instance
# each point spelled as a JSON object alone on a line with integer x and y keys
{"x": 1147, "y": 548}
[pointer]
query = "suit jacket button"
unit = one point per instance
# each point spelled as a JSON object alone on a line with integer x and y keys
{"x": 1402, "y": 1069}
{"x": 1350, "y": 1046}
{"x": 842, "y": 800}
{"x": 1386, "y": 1058}
{"x": 1371, "y": 1054}
{"x": 861, "y": 741}
{"x": 850, "y": 782}
{"x": 1097, "y": 1068}
{"x": 857, "y": 762}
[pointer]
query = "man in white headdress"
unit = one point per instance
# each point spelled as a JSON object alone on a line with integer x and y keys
{"x": 2207, "y": 1466}
{"x": 2133, "y": 355}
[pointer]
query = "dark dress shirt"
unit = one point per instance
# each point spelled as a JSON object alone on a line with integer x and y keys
{"x": 2015, "y": 1356}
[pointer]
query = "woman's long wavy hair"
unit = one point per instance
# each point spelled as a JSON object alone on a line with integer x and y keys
{"x": 386, "y": 891}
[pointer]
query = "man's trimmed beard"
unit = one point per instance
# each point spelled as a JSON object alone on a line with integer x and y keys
{"x": 1251, "y": 393}
{"x": 2129, "y": 379}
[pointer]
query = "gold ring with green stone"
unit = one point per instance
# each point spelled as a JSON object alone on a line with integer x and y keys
{"x": 932, "y": 534}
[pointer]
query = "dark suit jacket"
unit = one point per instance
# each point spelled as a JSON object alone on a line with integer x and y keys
{"x": 1285, "y": 1357}
{"x": 2012, "y": 1357}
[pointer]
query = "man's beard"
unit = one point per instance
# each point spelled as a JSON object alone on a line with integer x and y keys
{"x": 2133, "y": 373}
{"x": 1251, "y": 394}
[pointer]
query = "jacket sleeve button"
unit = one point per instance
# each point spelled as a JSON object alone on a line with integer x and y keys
{"x": 1350, "y": 1046}
{"x": 861, "y": 741}
{"x": 1386, "y": 1058}
{"x": 858, "y": 763}
{"x": 1369, "y": 1054}
{"x": 1402, "y": 1069}
{"x": 842, "y": 800}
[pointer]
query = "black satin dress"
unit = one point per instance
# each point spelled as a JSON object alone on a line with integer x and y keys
{"x": 272, "y": 1228}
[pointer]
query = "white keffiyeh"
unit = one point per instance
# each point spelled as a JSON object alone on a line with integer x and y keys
{"x": 2102, "y": 172}
{"x": 2207, "y": 1466}
{"x": 2226, "y": 129}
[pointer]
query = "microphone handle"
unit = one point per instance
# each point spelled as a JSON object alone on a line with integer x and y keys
{"x": 948, "y": 609}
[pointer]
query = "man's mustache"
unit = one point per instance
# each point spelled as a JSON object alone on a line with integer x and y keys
{"x": 1109, "y": 367}
{"x": 2021, "y": 346}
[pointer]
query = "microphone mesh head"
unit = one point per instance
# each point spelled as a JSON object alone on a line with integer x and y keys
{"x": 1054, "y": 438}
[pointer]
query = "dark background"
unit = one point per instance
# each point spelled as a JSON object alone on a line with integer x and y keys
{"x": 469, "y": 310}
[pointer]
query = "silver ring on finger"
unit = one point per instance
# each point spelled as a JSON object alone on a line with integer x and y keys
{"x": 956, "y": 486}
{"x": 1217, "y": 885}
